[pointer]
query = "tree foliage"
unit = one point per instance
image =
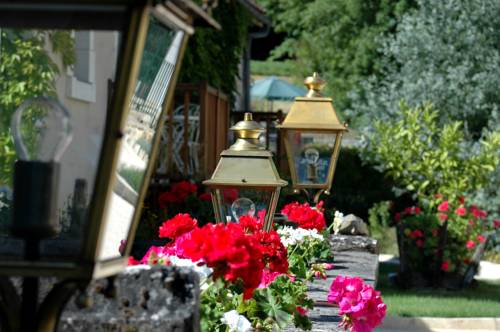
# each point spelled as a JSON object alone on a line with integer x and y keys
{"x": 446, "y": 52}
{"x": 338, "y": 38}
{"x": 213, "y": 55}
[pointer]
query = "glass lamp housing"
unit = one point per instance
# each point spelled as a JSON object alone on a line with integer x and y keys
{"x": 245, "y": 181}
{"x": 312, "y": 135}
{"x": 112, "y": 66}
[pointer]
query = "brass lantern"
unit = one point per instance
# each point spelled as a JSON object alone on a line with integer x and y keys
{"x": 86, "y": 84}
{"x": 312, "y": 134}
{"x": 245, "y": 181}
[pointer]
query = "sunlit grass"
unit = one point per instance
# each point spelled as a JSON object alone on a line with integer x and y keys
{"x": 483, "y": 300}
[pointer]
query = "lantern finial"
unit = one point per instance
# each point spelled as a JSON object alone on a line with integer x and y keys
{"x": 314, "y": 84}
{"x": 247, "y": 134}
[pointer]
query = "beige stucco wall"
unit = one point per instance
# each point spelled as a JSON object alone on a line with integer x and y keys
{"x": 88, "y": 117}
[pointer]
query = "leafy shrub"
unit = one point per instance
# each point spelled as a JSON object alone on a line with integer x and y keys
{"x": 426, "y": 159}
{"x": 380, "y": 227}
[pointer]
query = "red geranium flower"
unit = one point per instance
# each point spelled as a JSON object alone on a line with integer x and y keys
{"x": 273, "y": 251}
{"x": 233, "y": 254}
{"x": 207, "y": 197}
{"x": 443, "y": 216}
{"x": 251, "y": 224}
{"x": 477, "y": 212}
{"x": 496, "y": 223}
{"x": 305, "y": 216}
{"x": 481, "y": 239}
{"x": 470, "y": 244}
{"x": 445, "y": 266}
{"x": 177, "y": 194}
{"x": 443, "y": 207}
{"x": 301, "y": 311}
{"x": 416, "y": 234}
{"x": 178, "y": 225}
{"x": 461, "y": 211}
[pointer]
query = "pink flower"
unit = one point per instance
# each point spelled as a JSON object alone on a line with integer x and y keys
{"x": 360, "y": 304}
{"x": 443, "y": 207}
{"x": 461, "y": 211}
{"x": 481, "y": 239}
{"x": 470, "y": 244}
{"x": 417, "y": 210}
{"x": 443, "y": 216}
{"x": 445, "y": 266}
{"x": 123, "y": 245}
{"x": 156, "y": 255}
{"x": 496, "y": 223}
{"x": 328, "y": 266}
{"x": 269, "y": 276}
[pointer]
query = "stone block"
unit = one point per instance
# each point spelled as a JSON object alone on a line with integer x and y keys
{"x": 353, "y": 225}
{"x": 147, "y": 299}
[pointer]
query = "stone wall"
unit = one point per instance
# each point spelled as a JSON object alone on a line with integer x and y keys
{"x": 146, "y": 299}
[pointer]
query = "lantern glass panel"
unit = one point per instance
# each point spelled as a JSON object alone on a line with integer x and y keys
{"x": 74, "y": 68}
{"x": 237, "y": 201}
{"x": 160, "y": 55}
{"x": 311, "y": 154}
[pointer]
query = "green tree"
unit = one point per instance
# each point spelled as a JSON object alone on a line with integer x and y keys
{"x": 446, "y": 52}
{"x": 215, "y": 55}
{"x": 338, "y": 38}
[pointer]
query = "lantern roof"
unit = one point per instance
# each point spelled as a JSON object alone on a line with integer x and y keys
{"x": 246, "y": 163}
{"x": 313, "y": 111}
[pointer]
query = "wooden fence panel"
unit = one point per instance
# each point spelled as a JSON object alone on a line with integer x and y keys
{"x": 196, "y": 132}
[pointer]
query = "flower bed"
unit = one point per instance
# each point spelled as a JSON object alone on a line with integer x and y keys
{"x": 258, "y": 279}
{"x": 441, "y": 243}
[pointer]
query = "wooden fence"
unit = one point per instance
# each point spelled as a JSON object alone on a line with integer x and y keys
{"x": 195, "y": 132}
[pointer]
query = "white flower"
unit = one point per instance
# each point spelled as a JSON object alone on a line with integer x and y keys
{"x": 337, "y": 221}
{"x": 202, "y": 270}
{"x": 236, "y": 322}
{"x": 291, "y": 236}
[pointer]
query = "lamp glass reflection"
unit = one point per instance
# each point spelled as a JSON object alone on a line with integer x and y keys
{"x": 161, "y": 51}
{"x": 236, "y": 202}
{"x": 41, "y": 129}
{"x": 242, "y": 207}
{"x": 312, "y": 155}
{"x": 59, "y": 100}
